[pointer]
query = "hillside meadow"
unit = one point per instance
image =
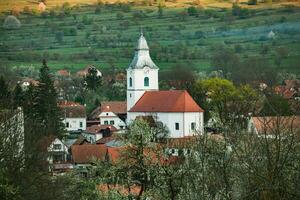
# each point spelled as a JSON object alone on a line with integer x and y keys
{"x": 72, "y": 37}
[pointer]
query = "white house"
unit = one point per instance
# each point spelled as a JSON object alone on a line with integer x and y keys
{"x": 96, "y": 132}
{"x": 111, "y": 113}
{"x": 57, "y": 151}
{"x": 175, "y": 108}
{"x": 74, "y": 116}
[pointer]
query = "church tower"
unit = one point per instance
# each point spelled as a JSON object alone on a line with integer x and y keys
{"x": 142, "y": 73}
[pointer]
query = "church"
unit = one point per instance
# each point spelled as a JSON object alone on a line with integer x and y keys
{"x": 176, "y": 109}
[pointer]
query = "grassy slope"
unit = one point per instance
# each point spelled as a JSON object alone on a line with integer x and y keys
{"x": 242, "y": 31}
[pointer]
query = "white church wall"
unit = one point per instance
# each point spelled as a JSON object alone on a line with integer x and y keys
{"x": 170, "y": 119}
{"x": 137, "y": 89}
{"x": 193, "y": 117}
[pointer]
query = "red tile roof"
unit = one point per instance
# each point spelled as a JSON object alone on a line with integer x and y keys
{"x": 72, "y": 109}
{"x": 117, "y": 107}
{"x": 271, "y": 125}
{"x": 63, "y": 72}
{"x": 98, "y": 128}
{"x": 166, "y": 101}
{"x": 85, "y": 153}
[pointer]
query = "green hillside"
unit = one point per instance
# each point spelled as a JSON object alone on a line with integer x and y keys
{"x": 105, "y": 35}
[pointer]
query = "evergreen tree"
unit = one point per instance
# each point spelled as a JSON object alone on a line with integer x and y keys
{"x": 5, "y": 94}
{"x": 18, "y": 96}
{"x": 48, "y": 113}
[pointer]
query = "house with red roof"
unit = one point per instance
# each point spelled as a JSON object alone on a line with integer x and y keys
{"x": 74, "y": 115}
{"x": 110, "y": 113}
{"x": 174, "y": 108}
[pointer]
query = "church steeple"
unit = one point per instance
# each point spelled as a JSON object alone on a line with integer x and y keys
{"x": 142, "y": 57}
{"x": 142, "y": 73}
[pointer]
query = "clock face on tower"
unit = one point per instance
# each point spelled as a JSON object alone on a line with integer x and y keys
{"x": 146, "y": 70}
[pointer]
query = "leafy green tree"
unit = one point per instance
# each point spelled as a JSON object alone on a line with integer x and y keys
{"x": 226, "y": 103}
{"x": 93, "y": 80}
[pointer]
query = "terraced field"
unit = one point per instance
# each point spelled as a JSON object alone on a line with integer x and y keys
{"x": 107, "y": 38}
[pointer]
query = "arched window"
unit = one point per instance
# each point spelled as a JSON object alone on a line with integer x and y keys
{"x": 130, "y": 82}
{"x": 146, "y": 81}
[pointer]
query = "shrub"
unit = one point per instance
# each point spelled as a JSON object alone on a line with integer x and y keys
{"x": 11, "y": 22}
{"x": 192, "y": 11}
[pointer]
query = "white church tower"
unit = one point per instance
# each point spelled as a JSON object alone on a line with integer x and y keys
{"x": 142, "y": 73}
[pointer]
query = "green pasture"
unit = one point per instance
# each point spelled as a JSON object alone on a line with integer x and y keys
{"x": 107, "y": 40}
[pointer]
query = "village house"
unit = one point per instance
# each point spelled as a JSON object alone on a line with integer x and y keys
{"x": 58, "y": 151}
{"x": 96, "y": 132}
{"x": 271, "y": 126}
{"x": 174, "y": 108}
{"x": 84, "y": 72}
{"x": 111, "y": 113}
{"x": 74, "y": 115}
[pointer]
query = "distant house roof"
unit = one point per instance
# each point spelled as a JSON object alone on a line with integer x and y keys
{"x": 117, "y": 107}
{"x": 166, "y": 101}
{"x": 72, "y": 109}
{"x": 97, "y": 128}
{"x": 271, "y": 125}
{"x": 85, "y": 71}
{"x": 105, "y": 140}
{"x": 84, "y": 154}
{"x": 63, "y": 72}
{"x": 81, "y": 140}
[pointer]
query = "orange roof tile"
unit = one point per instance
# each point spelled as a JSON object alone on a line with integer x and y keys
{"x": 166, "y": 101}
{"x": 97, "y": 128}
{"x": 271, "y": 125}
{"x": 85, "y": 153}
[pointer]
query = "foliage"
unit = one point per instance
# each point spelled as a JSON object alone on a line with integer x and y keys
{"x": 11, "y": 22}
{"x": 92, "y": 79}
{"x": 232, "y": 105}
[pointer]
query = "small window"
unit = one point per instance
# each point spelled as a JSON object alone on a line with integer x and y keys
{"x": 130, "y": 95}
{"x": 57, "y": 146}
{"x": 193, "y": 126}
{"x": 112, "y": 122}
{"x": 146, "y": 81}
{"x": 80, "y": 124}
{"x": 106, "y": 114}
{"x": 176, "y": 126}
{"x": 130, "y": 82}
{"x": 105, "y": 122}
{"x": 67, "y": 125}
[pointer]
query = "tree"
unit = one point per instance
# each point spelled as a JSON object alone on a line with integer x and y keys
{"x": 192, "y": 11}
{"x": 160, "y": 11}
{"x": 227, "y": 104}
{"x": 59, "y": 36}
{"x": 47, "y": 111}
{"x": 93, "y": 80}
{"x": 225, "y": 60}
{"x": 18, "y": 96}
{"x": 11, "y": 22}
{"x": 5, "y": 94}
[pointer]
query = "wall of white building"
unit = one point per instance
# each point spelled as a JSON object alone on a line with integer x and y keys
{"x": 74, "y": 124}
{"x": 137, "y": 89}
{"x": 170, "y": 119}
{"x": 111, "y": 118}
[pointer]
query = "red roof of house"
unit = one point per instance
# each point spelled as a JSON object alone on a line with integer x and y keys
{"x": 63, "y": 72}
{"x": 97, "y": 128}
{"x": 117, "y": 107}
{"x": 271, "y": 125}
{"x": 166, "y": 101}
{"x": 86, "y": 152}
